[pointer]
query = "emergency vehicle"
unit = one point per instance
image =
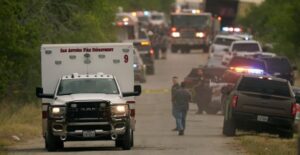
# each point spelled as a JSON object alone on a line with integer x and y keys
{"x": 87, "y": 93}
{"x": 127, "y": 26}
{"x": 192, "y": 29}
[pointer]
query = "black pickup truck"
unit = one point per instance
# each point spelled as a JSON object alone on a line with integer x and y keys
{"x": 262, "y": 104}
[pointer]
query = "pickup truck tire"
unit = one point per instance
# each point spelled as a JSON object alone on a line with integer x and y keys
{"x": 118, "y": 142}
{"x": 174, "y": 49}
{"x": 127, "y": 139}
{"x": 229, "y": 128}
{"x": 206, "y": 49}
{"x": 286, "y": 134}
{"x": 53, "y": 143}
{"x": 132, "y": 139}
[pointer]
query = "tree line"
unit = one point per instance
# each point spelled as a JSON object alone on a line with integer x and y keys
{"x": 276, "y": 22}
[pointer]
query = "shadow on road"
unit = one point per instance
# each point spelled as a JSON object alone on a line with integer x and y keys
{"x": 67, "y": 149}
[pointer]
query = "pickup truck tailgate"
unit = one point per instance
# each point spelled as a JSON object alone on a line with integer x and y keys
{"x": 261, "y": 104}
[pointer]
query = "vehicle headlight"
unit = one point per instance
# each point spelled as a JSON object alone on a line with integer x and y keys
{"x": 175, "y": 34}
{"x": 200, "y": 34}
{"x": 57, "y": 112}
{"x": 119, "y": 110}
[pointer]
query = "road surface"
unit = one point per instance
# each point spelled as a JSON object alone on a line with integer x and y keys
{"x": 153, "y": 133}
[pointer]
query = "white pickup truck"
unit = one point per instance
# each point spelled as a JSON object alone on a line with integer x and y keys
{"x": 242, "y": 48}
{"x": 87, "y": 92}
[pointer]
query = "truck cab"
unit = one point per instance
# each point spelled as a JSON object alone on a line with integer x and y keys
{"x": 86, "y": 94}
{"x": 191, "y": 30}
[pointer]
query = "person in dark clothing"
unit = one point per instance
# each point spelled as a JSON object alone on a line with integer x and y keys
{"x": 175, "y": 87}
{"x": 203, "y": 95}
{"x": 181, "y": 106}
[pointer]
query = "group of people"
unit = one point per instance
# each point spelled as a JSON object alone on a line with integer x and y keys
{"x": 181, "y": 98}
{"x": 159, "y": 41}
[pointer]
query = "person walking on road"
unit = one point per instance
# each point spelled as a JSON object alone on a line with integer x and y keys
{"x": 203, "y": 95}
{"x": 182, "y": 99}
{"x": 175, "y": 87}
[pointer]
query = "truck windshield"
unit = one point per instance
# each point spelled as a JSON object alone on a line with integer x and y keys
{"x": 245, "y": 47}
{"x": 197, "y": 21}
{"x": 264, "y": 86}
{"x": 156, "y": 17}
{"x": 88, "y": 85}
{"x": 223, "y": 41}
{"x": 280, "y": 65}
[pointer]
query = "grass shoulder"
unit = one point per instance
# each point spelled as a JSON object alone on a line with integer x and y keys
{"x": 265, "y": 144}
{"x": 19, "y": 124}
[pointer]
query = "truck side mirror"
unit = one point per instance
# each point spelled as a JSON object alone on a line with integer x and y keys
{"x": 226, "y": 49}
{"x": 137, "y": 91}
{"x": 39, "y": 92}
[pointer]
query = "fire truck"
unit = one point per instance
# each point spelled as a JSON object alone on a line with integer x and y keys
{"x": 192, "y": 29}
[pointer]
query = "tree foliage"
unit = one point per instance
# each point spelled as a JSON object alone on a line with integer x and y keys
{"x": 277, "y": 22}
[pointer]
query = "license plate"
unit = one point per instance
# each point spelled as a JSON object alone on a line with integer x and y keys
{"x": 89, "y": 134}
{"x": 262, "y": 118}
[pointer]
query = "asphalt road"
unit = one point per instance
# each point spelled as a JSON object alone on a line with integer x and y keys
{"x": 153, "y": 133}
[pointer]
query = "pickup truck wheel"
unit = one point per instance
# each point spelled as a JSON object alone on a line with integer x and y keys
{"x": 174, "y": 49}
{"x": 53, "y": 143}
{"x": 229, "y": 128}
{"x": 286, "y": 134}
{"x": 126, "y": 140}
{"x": 118, "y": 142}
{"x": 206, "y": 49}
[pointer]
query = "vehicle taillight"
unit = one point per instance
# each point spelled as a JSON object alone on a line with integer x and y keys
{"x": 173, "y": 29}
{"x": 131, "y": 108}
{"x": 294, "y": 109}
{"x": 234, "y": 101}
{"x": 151, "y": 52}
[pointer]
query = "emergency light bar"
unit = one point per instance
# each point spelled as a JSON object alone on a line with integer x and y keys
{"x": 247, "y": 70}
{"x": 231, "y": 29}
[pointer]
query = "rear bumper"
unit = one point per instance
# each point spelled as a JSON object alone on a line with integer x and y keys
{"x": 250, "y": 121}
{"x": 192, "y": 42}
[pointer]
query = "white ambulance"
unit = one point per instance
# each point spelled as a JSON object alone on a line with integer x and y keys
{"x": 87, "y": 92}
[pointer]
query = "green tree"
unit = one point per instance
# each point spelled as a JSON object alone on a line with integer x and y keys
{"x": 277, "y": 22}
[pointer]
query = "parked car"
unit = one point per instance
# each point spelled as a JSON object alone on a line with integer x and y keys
{"x": 242, "y": 48}
{"x": 220, "y": 43}
{"x": 139, "y": 68}
{"x": 281, "y": 67}
{"x": 143, "y": 46}
{"x": 242, "y": 65}
{"x": 262, "y": 104}
{"x": 194, "y": 76}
